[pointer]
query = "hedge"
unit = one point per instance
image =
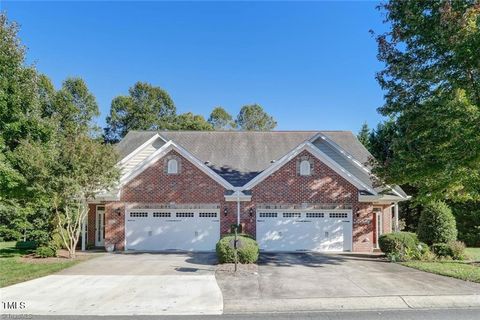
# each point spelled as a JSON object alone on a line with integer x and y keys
{"x": 437, "y": 224}
{"x": 247, "y": 250}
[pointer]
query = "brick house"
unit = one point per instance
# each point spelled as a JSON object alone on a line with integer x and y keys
{"x": 291, "y": 190}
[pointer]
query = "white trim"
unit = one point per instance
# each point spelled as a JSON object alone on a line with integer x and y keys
{"x": 307, "y": 145}
{"x": 162, "y": 151}
{"x": 380, "y": 198}
{"x": 349, "y": 157}
{"x": 140, "y": 148}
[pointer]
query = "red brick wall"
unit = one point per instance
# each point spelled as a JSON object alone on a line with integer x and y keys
{"x": 323, "y": 186}
{"x": 285, "y": 186}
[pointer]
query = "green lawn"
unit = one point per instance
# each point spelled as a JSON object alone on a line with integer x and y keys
{"x": 13, "y": 270}
{"x": 456, "y": 269}
{"x": 474, "y": 253}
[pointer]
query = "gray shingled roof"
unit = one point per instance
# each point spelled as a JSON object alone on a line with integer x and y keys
{"x": 238, "y": 156}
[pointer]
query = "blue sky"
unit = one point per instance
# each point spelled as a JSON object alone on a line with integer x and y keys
{"x": 311, "y": 65}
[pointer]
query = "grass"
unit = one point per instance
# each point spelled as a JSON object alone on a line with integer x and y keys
{"x": 474, "y": 253}
{"x": 14, "y": 270}
{"x": 456, "y": 269}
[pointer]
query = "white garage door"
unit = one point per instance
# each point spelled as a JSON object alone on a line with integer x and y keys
{"x": 304, "y": 230}
{"x": 180, "y": 229}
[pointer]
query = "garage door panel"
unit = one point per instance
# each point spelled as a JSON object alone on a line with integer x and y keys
{"x": 304, "y": 231}
{"x": 186, "y": 230}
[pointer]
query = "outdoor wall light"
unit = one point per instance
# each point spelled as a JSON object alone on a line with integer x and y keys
{"x": 251, "y": 212}
{"x": 225, "y": 211}
{"x": 118, "y": 211}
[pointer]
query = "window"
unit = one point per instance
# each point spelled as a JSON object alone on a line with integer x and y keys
{"x": 207, "y": 214}
{"x": 161, "y": 215}
{"x": 292, "y": 214}
{"x": 305, "y": 169}
{"x": 341, "y": 215}
{"x": 268, "y": 214}
{"x": 315, "y": 215}
{"x": 138, "y": 214}
{"x": 184, "y": 215}
{"x": 172, "y": 166}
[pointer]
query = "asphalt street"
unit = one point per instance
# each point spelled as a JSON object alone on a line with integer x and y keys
{"x": 443, "y": 314}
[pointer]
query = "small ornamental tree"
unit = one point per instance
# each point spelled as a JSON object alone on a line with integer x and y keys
{"x": 437, "y": 224}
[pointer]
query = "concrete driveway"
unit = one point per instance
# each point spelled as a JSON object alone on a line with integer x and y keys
{"x": 125, "y": 284}
{"x": 314, "y": 280}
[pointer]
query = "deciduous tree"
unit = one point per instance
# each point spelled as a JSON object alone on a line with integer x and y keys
{"x": 145, "y": 108}
{"x": 432, "y": 84}
{"x": 220, "y": 119}
{"x": 254, "y": 118}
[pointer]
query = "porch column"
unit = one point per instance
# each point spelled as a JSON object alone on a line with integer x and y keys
{"x": 395, "y": 214}
{"x": 84, "y": 240}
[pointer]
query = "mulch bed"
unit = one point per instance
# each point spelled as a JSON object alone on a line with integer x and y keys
{"x": 62, "y": 256}
{"x": 243, "y": 269}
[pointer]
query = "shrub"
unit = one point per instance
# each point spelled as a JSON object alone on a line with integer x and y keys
{"x": 397, "y": 241}
{"x": 45, "y": 252}
{"x": 26, "y": 245}
{"x": 247, "y": 250}
{"x": 453, "y": 250}
{"x": 437, "y": 224}
{"x": 400, "y": 246}
{"x": 467, "y": 216}
{"x": 9, "y": 234}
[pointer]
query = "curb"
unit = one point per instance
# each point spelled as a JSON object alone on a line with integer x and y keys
{"x": 350, "y": 303}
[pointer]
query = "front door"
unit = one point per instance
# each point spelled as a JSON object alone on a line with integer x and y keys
{"x": 100, "y": 227}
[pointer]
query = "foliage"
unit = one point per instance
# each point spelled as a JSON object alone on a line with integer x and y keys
{"x": 190, "y": 121}
{"x": 45, "y": 252}
{"x": 399, "y": 246}
{"x": 364, "y": 135}
{"x": 248, "y": 250}
{"x": 437, "y": 224}
{"x": 467, "y": 217}
{"x": 220, "y": 119}
{"x": 453, "y": 250}
{"x": 254, "y": 118}
{"x": 145, "y": 108}
{"x": 432, "y": 84}
{"x": 26, "y": 245}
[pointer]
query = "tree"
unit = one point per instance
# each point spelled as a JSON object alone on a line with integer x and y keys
{"x": 432, "y": 84}
{"x": 69, "y": 171}
{"x": 380, "y": 141}
{"x": 24, "y": 95}
{"x": 145, "y": 108}
{"x": 190, "y": 121}
{"x": 254, "y": 118}
{"x": 364, "y": 135}
{"x": 220, "y": 119}
{"x": 75, "y": 107}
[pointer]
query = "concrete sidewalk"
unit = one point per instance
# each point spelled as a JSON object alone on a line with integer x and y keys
{"x": 116, "y": 295}
{"x": 351, "y": 303}
{"x": 124, "y": 284}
